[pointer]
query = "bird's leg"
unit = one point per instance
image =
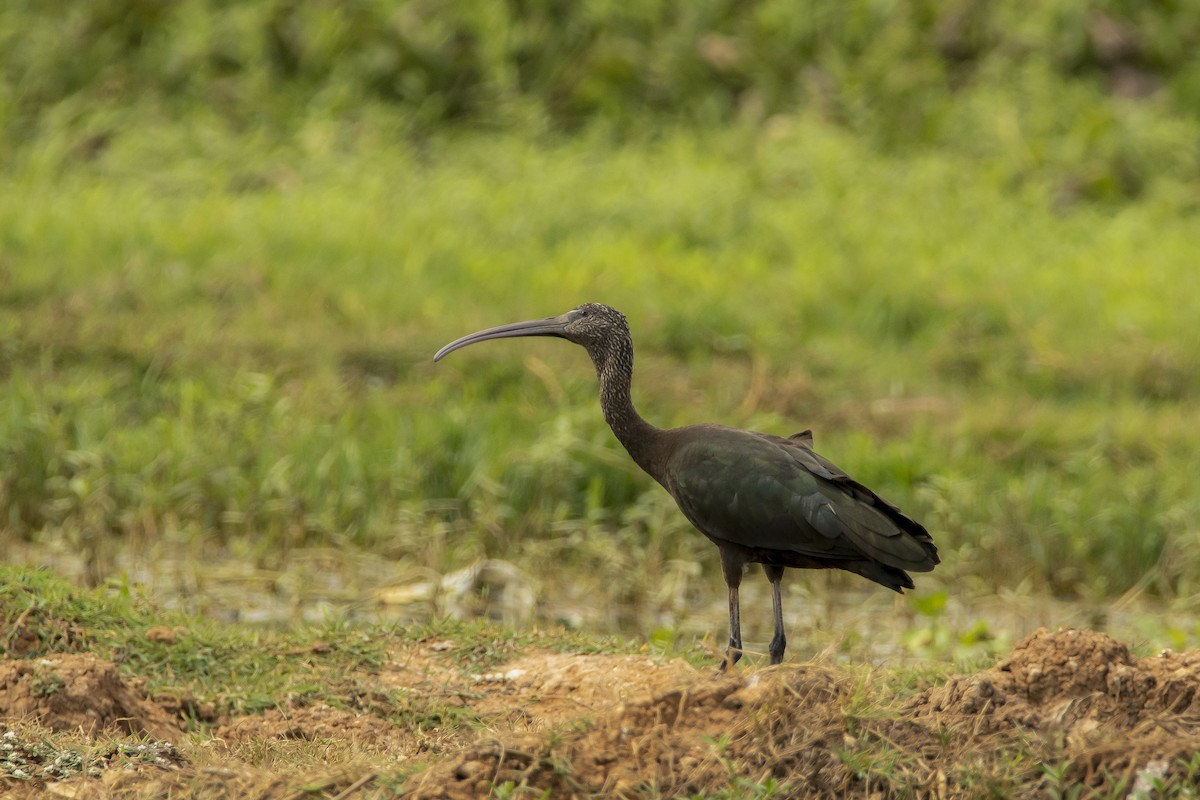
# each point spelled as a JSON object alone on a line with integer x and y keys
{"x": 778, "y": 641}
{"x": 732, "y": 564}
{"x": 735, "y": 631}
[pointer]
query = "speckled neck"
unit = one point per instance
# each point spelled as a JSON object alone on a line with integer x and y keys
{"x": 614, "y": 368}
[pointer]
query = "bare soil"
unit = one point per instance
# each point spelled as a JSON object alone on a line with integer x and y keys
{"x": 1074, "y": 700}
{"x": 80, "y": 692}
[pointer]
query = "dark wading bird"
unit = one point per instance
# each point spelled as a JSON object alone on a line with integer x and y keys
{"x": 760, "y": 498}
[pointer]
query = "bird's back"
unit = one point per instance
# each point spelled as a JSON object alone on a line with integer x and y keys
{"x": 781, "y": 503}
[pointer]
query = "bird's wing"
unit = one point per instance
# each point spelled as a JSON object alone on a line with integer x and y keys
{"x": 804, "y": 438}
{"x": 763, "y": 491}
{"x": 875, "y": 525}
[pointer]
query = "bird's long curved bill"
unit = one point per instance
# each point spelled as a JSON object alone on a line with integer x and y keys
{"x": 552, "y": 326}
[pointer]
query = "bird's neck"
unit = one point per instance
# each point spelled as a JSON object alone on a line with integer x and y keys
{"x": 636, "y": 435}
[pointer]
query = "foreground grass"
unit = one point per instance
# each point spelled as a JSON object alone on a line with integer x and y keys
{"x": 439, "y": 710}
{"x": 218, "y": 345}
{"x": 240, "y": 669}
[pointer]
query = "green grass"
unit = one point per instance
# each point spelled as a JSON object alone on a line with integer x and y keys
{"x": 238, "y": 669}
{"x": 233, "y": 669}
{"x": 229, "y": 347}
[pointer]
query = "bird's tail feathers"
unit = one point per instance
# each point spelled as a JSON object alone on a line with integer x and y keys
{"x": 895, "y": 579}
{"x": 878, "y": 536}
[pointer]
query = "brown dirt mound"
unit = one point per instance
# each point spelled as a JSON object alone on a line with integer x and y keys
{"x": 542, "y": 690}
{"x": 1072, "y": 681}
{"x": 537, "y": 690}
{"x": 568, "y": 726}
{"x": 78, "y": 691}
{"x": 680, "y": 741}
{"x": 316, "y": 723}
{"x": 1116, "y": 712}
{"x": 1075, "y": 696}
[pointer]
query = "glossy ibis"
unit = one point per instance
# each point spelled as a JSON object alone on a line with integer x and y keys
{"x": 760, "y": 498}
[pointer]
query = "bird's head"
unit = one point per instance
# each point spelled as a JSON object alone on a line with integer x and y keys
{"x": 595, "y": 326}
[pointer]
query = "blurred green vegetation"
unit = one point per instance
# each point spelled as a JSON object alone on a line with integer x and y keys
{"x": 1100, "y": 96}
{"x": 953, "y": 238}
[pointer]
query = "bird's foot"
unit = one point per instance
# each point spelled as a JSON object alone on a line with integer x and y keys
{"x": 777, "y": 647}
{"x": 732, "y": 656}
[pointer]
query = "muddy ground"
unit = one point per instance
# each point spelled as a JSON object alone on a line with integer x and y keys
{"x": 1066, "y": 708}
